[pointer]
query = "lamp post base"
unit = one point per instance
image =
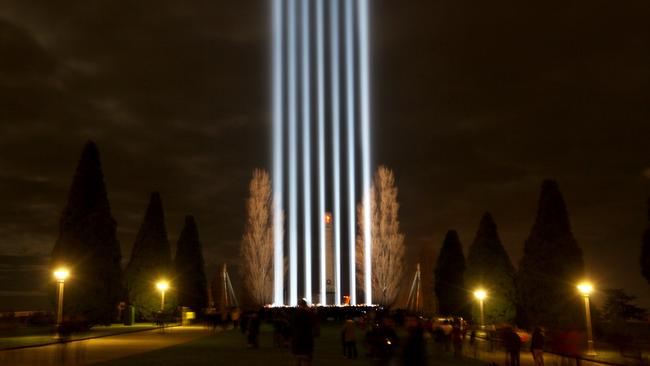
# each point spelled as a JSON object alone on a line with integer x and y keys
{"x": 590, "y": 349}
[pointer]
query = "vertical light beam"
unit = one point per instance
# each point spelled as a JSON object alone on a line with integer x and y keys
{"x": 366, "y": 177}
{"x": 350, "y": 94}
{"x": 321, "y": 146}
{"x": 293, "y": 157}
{"x": 306, "y": 146}
{"x": 277, "y": 85}
{"x": 336, "y": 167}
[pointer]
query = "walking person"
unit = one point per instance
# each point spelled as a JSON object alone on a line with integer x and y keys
{"x": 414, "y": 352}
{"x": 457, "y": 340}
{"x": 382, "y": 341}
{"x": 302, "y": 332}
{"x": 253, "y": 331}
{"x": 537, "y": 346}
{"x": 473, "y": 344}
{"x": 349, "y": 338}
{"x": 512, "y": 343}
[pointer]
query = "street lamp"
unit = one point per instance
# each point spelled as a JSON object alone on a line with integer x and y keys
{"x": 480, "y": 295}
{"x": 585, "y": 289}
{"x": 162, "y": 286}
{"x": 60, "y": 274}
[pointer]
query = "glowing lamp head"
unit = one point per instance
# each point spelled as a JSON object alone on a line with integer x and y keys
{"x": 162, "y": 285}
{"x": 480, "y": 294}
{"x": 328, "y": 218}
{"x": 61, "y": 274}
{"x": 585, "y": 288}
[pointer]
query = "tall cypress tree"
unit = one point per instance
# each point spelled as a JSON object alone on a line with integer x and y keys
{"x": 489, "y": 267}
{"x": 551, "y": 265}
{"x": 151, "y": 260}
{"x": 190, "y": 280}
{"x": 450, "y": 277}
{"x": 88, "y": 245}
{"x": 645, "y": 250}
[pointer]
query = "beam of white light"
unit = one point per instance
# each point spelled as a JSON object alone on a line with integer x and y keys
{"x": 306, "y": 149}
{"x": 336, "y": 167}
{"x": 321, "y": 147}
{"x": 293, "y": 156}
{"x": 366, "y": 175}
{"x": 350, "y": 94}
{"x": 277, "y": 85}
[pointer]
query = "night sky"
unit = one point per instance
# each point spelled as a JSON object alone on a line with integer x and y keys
{"x": 474, "y": 104}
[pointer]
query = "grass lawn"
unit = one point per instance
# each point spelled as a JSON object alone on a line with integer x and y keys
{"x": 228, "y": 348}
{"x": 29, "y": 336}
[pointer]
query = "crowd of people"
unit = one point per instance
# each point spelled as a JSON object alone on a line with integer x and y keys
{"x": 388, "y": 338}
{"x": 297, "y": 328}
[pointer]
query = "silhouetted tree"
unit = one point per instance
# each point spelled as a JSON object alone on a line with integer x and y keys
{"x": 645, "y": 250}
{"x": 619, "y": 306}
{"x": 450, "y": 277}
{"x": 150, "y": 261}
{"x": 190, "y": 281}
{"x": 551, "y": 266}
{"x": 489, "y": 267}
{"x": 88, "y": 245}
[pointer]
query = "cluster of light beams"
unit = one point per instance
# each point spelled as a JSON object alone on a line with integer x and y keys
{"x": 350, "y": 104}
{"x": 306, "y": 147}
{"x": 292, "y": 113}
{"x": 366, "y": 175}
{"x": 336, "y": 137}
{"x": 293, "y": 154}
{"x": 278, "y": 181}
{"x": 320, "y": 61}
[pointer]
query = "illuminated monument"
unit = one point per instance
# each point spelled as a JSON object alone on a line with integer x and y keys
{"x": 321, "y": 117}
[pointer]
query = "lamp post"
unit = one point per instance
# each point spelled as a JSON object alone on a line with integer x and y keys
{"x": 480, "y": 295}
{"x": 60, "y": 275}
{"x": 162, "y": 286}
{"x": 585, "y": 289}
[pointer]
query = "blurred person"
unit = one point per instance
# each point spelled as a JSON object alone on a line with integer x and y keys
{"x": 382, "y": 341}
{"x": 253, "y": 331}
{"x": 473, "y": 344}
{"x": 235, "y": 313}
{"x": 512, "y": 344}
{"x": 303, "y": 331}
{"x": 349, "y": 338}
{"x": 537, "y": 346}
{"x": 414, "y": 352}
{"x": 457, "y": 340}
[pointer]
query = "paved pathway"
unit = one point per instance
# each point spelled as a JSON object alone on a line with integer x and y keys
{"x": 100, "y": 349}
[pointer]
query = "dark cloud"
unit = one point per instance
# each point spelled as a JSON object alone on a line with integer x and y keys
{"x": 474, "y": 104}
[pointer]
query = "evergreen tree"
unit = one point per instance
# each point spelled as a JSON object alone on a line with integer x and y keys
{"x": 190, "y": 273}
{"x": 450, "y": 277}
{"x": 150, "y": 262}
{"x": 619, "y": 307}
{"x": 489, "y": 267}
{"x": 645, "y": 250}
{"x": 551, "y": 266}
{"x": 88, "y": 245}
